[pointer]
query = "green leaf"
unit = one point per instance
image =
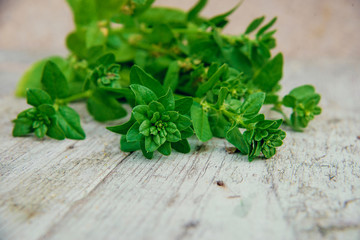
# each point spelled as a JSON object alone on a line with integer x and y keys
{"x": 54, "y": 130}
{"x": 183, "y": 105}
{"x": 252, "y": 104}
{"x": 161, "y": 34}
{"x": 32, "y": 77}
{"x": 106, "y": 59}
{"x": 220, "y": 20}
{"x": 84, "y": 11}
{"x": 76, "y": 43}
{"x": 221, "y": 97}
{"x": 150, "y": 144}
{"x": 268, "y": 77}
{"x": 69, "y": 122}
{"x": 36, "y": 97}
{"x": 289, "y": 101}
{"x": 181, "y": 146}
{"x": 148, "y": 155}
{"x": 235, "y": 137}
{"x": 104, "y": 108}
{"x": 254, "y": 24}
{"x": 126, "y": 146}
{"x": 47, "y": 109}
{"x": 54, "y": 81}
{"x": 168, "y": 101}
{"x": 202, "y": 90}
{"x": 302, "y": 92}
{"x": 94, "y": 36}
{"x": 165, "y": 149}
{"x": 41, "y": 131}
{"x": 200, "y": 123}
{"x": 139, "y": 76}
{"x": 266, "y": 27}
{"x": 22, "y": 127}
{"x": 143, "y": 95}
{"x": 186, "y": 133}
{"x": 172, "y": 76}
{"x": 133, "y": 135}
{"x": 140, "y": 113}
{"x": 183, "y": 122}
{"x": 195, "y": 10}
{"x": 157, "y": 15}
{"x": 123, "y": 128}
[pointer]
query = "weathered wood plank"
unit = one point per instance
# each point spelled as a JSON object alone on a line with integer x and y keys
{"x": 90, "y": 190}
{"x": 42, "y": 179}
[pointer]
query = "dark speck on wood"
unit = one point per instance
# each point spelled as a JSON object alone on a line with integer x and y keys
{"x": 220, "y": 183}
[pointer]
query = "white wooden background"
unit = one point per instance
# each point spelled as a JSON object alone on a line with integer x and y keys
{"x": 91, "y": 190}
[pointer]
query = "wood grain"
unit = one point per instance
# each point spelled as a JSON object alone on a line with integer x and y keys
{"x": 91, "y": 190}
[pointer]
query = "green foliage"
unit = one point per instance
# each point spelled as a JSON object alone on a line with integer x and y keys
{"x": 177, "y": 70}
{"x": 157, "y": 124}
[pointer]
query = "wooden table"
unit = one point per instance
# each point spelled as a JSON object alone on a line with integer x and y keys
{"x": 91, "y": 190}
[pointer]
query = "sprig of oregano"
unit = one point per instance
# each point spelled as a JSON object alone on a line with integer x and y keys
{"x": 180, "y": 74}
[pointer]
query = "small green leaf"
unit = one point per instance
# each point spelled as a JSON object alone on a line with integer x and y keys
{"x": 186, "y": 133}
{"x": 143, "y": 95}
{"x": 254, "y": 24}
{"x": 54, "y": 130}
{"x": 140, "y": 112}
{"x": 36, "y": 97}
{"x": 168, "y": 101}
{"x": 195, "y": 10}
{"x": 54, "y": 81}
{"x": 41, "y": 131}
{"x": 161, "y": 33}
{"x": 133, "y": 135}
{"x": 123, "y": 128}
{"x": 235, "y": 137}
{"x": 104, "y": 108}
{"x": 94, "y": 36}
{"x": 268, "y": 77}
{"x": 266, "y": 27}
{"x": 302, "y": 92}
{"x": 172, "y": 76}
{"x": 47, "y": 109}
{"x": 150, "y": 143}
{"x": 202, "y": 90}
{"x": 32, "y": 77}
{"x": 252, "y": 104}
{"x": 148, "y": 155}
{"x": 69, "y": 121}
{"x": 22, "y": 127}
{"x": 181, "y": 146}
{"x": 139, "y": 76}
{"x": 221, "y": 97}
{"x": 200, "y": 123}
{"x": 173, "y": 137}
{"x": 183, "y": 105}
{"x": 289, "y": 101}
{"x": 165, "y": 149}
{"x": 220, "y": 20}
{"x": 126, "y": 146}
{"x": 183, "y": 122}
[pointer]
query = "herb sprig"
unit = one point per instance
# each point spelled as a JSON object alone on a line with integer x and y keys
{"x": 180, "y": 74}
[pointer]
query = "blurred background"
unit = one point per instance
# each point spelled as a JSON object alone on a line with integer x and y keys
{"x": 308, "y": 30}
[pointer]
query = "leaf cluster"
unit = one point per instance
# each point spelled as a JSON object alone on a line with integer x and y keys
{"x": 176, "y": 69}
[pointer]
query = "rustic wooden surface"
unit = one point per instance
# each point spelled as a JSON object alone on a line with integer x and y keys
{"x": 91, "y": 190}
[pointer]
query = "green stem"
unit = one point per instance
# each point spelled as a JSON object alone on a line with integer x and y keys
{"x": 74, "y": 97}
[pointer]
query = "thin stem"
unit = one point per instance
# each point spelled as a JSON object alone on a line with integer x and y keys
{"x": 75, "y": 97}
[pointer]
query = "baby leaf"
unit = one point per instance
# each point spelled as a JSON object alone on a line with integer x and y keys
{"x": 200, "y": 123}
{"x": 54, "y": 81}
{"x": 69, "y": 121}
